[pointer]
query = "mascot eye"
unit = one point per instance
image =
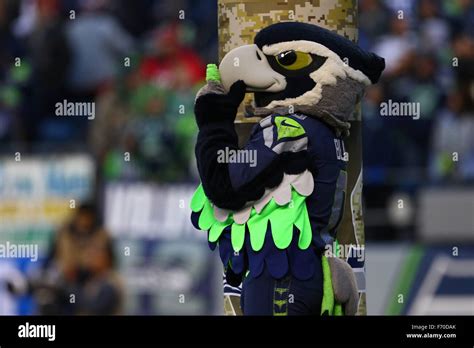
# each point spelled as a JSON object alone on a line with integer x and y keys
{"x": 293, "y": 60}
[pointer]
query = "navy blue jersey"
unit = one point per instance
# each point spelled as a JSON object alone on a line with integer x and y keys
{"x": 279, "y": 136}
{"x": 278, "y": 145}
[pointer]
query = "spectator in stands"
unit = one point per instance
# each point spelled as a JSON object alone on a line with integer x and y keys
{"x": 99, "y": 49}
{"x": 80, "y": 270}
{"x": 432, "y": 28}
{"x": 49, "y": 79}
{"x": 374, "y": 18}
{"x": 452, "y": 154}
{"x": 396, "y": 47}
{"x": 168, "y": 62}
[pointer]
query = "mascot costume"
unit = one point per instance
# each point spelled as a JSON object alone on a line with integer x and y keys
{"x": 273, "y": 217}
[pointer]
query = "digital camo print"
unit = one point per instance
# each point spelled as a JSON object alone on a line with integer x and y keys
{"x": 239, "y": 21}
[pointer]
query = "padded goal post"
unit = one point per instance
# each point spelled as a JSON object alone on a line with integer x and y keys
{"x": 238, "y": 23}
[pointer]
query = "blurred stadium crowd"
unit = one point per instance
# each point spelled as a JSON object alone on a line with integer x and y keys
{"x": 428, "y": 47}
{"x": 138, "y": 61}
{"x": 142, "y": 62}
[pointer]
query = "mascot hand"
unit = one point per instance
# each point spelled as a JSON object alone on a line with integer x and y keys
{"x": 344, "y": 285}
{"x": 213, "y": 104}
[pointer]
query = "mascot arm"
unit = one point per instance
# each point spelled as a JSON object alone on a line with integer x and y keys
{"x": 215, "y": 112}
{"x": 231, "y": 176}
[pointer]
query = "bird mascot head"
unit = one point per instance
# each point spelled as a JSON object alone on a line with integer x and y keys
{"x": 300, "y": 67}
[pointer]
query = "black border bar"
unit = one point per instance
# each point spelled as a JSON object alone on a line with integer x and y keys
{"x": 137, "y": 331}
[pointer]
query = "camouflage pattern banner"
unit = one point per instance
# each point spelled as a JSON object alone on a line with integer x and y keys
{"x": 239, "y": 21}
